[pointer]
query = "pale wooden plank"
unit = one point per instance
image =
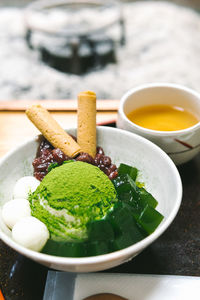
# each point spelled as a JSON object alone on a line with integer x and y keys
{"x": 56, "y": 105}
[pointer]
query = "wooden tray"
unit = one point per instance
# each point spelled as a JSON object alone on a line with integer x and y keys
{"x": 15, "y": 128}
{"x": 56, "y": 105}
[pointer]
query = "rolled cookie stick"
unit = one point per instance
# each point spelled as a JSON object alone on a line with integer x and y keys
{"x": 86, "y": 135}
{"x": 52, "y": 131}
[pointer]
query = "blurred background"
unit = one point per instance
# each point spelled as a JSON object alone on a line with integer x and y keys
{"x": 55, "y": 49}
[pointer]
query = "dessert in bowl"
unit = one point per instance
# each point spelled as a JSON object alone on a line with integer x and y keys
{"x": 85, "y": 210}
{"x": 126, "y": 147}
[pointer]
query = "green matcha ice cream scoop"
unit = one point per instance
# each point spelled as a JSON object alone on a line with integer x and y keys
{"x": 69, "y": 197}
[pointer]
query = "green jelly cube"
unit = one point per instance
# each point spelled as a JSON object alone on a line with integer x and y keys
{"x": 147, "y": 198}
{"x": 100, "y": 230}
{"x": 121, "y": 220}
{"x": 97, "y": 248}
{"x": 134, "y": 209}
{"x": 73, "y": 249}
{"x": 122, "y": 242}
{"x": 150, "y": 219}
{"x": 129, "y": 238}
{"x": 65, "y": 249}
{"x": 124, "y": 184}
{"x": 127, "y": 197}
{"x": 126, "y": 169}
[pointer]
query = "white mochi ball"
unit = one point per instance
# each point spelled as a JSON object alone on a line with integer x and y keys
{"x": 24, "y": 186}
{"x": 30, "y": 233}
{"x": 15, "y": 210}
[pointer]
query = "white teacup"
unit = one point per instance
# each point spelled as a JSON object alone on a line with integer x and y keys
{"x": 180, "y": 145}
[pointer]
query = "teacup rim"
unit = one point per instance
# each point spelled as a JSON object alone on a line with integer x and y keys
{"x": 151, "y": 131}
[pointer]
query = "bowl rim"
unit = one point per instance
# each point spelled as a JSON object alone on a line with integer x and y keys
{"x": 127, "y": 252}
{"x": 151, "y": 131}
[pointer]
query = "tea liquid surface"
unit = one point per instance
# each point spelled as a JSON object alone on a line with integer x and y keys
{"x": 163, "y": 117}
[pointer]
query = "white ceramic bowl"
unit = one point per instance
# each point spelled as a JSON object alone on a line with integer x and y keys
{"x": 157, "y": 171}
{"x": 180, "y": 145}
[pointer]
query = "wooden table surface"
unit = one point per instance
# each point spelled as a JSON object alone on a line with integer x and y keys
{"x": 15, "y": 128}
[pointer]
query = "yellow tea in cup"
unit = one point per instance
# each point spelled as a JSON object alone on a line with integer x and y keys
{"x": 163, "y": 117}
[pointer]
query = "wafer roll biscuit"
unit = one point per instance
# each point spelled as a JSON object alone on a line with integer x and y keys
{"x": 86, "y": 136}
{"x": 52, "y": 131}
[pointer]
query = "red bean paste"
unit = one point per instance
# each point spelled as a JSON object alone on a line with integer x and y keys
{"x": 47, "y": 154}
